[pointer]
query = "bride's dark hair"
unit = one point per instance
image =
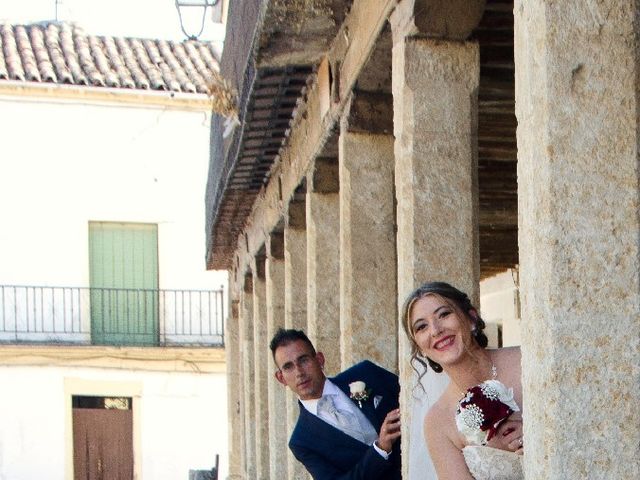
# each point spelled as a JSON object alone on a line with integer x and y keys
{"x": 460, "y": 299}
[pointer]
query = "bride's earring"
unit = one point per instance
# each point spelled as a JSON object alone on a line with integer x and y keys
{"x": 474, "y": 330}
{"x": 435, "y": 366}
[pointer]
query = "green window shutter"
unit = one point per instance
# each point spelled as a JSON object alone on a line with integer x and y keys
{"x": 123, "y": 274}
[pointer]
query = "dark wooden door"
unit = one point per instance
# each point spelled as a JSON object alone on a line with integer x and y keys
{"x": 102, "y": 444}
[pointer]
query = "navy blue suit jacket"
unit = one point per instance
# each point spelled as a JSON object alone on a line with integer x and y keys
{"x": 328, "y": 453}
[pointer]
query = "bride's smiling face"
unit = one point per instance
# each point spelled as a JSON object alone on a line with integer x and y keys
{"x": 440, "y": 329}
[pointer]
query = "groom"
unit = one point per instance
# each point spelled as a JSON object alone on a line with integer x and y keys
{"x": 339, "y": 434}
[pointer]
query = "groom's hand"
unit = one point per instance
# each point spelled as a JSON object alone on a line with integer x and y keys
{"x": 509, "y": 435}
{"x": 390, "y": 430}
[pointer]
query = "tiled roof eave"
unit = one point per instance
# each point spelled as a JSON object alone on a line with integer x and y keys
{"x": 105, "y": 95}
{"x": 62, "y": 53}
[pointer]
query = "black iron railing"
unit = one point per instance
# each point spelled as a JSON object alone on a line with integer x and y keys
{"x": 111, "y": 316}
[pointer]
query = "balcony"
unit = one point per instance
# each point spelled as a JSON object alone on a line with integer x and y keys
{"x": 111, "y": 316}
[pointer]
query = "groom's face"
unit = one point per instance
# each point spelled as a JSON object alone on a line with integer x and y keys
{"x": 300, "y": 368}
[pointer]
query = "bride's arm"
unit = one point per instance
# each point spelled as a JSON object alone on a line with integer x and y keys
{"x": 446, "y": 456}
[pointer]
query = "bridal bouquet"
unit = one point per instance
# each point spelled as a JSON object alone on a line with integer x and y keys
{"x": 482, "y": 410}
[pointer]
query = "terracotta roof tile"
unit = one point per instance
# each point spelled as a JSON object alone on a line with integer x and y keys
{"x": 62, "y": 53}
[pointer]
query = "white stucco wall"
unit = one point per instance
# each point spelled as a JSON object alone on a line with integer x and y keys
{"x": 64, "y": 164}
{"x": 182, "y": 418}
{"x": 500, "y": 305}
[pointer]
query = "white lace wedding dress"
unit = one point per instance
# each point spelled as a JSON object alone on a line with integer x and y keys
{"x": 486, "y": 463}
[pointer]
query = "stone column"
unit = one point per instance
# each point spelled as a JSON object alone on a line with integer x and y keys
{"x": 368, "y": 297}
{"x": 435, "y": 98}
{"x": 295, "y": 307}
{"x": 248, "y": 374}
{"x": 261, "y": 357}
{"x": 275, "y": 319}
{"x": 234, "y": 390}
{"x": 578, "y": 201}
{"x": 435, "y": 121}
{"x": 323, "y": 261}
{"x": 295, "y": 267}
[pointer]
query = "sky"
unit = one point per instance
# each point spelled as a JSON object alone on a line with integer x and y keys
{"x": 129, "y": 18}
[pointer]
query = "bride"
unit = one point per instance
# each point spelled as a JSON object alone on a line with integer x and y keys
{"x": 474, "y": 430}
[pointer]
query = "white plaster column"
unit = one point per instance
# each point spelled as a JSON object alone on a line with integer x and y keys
{"x": 435, "y": 122}
{"x": 295, "y": 308}
{"x": 261, "y": 357}
{"x": 248, "y": 375}
{"x": 323, "y": 262}
{"x": 578, "y": 201}
{"x": 234, "y": 390}
{"x": 368, "y": 298}
{"x": 274, "y": 277}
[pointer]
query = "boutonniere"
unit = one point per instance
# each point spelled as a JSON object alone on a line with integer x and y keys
{"x": 359, "y": 392}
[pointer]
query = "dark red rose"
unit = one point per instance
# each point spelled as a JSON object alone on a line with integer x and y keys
{"x": 494, "y": 411}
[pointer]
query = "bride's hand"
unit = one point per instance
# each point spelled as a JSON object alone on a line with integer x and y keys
{"x": 509, "y": 435}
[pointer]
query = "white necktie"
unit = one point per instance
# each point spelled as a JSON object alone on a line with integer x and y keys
{"x": 345, "y": 421}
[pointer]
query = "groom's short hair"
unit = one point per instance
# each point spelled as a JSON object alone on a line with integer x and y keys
{"x": 285, "y": 337}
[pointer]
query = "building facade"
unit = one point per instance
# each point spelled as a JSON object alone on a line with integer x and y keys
{"x": 111, "y": 329}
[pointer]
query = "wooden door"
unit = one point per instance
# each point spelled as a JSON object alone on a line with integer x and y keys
{"x": 123, "y": 271}
{"x": 102, "y": 444}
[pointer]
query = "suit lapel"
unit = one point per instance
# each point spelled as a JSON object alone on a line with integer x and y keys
{"x": 372, "y": 414}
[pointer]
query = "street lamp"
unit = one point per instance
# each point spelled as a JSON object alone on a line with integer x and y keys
{"x": 202, "y": 4}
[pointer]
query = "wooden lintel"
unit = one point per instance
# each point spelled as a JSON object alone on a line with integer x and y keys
{"x": 248, "y": 283}
{"x": 371, "y": 113}
{"x": 297, "y": 217}
{"x": 276, "y": 245}
{"x": 260, "y": 270}
{"x": 326, "y": 176}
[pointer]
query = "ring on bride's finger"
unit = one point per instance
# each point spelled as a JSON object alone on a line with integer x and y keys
{"x": 520, "y": 441}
